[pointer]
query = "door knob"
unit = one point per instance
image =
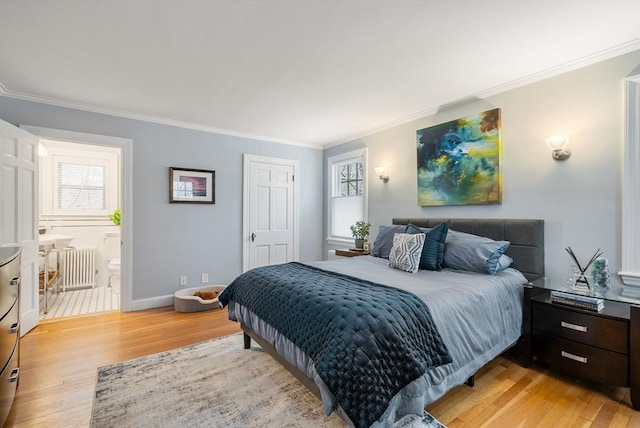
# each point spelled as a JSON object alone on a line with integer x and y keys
{"x": 253, "y": 237}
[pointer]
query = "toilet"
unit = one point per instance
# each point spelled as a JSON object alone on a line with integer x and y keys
{"x": 112, "y": 253}
{"x": 114, "y": 275}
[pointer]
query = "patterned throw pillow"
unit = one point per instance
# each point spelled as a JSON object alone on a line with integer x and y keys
{"x": 406, "y": 251}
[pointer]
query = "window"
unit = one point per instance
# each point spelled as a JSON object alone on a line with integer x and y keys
{"x": 78, "y": 180}
{"x": 81, "y": 187}
{"x": 347, "y": 198}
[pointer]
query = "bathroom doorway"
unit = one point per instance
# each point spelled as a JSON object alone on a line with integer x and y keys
{"x": 81, "y": 186}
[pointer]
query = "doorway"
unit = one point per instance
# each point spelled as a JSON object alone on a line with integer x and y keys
{"x": 84, "y": 179}
{"x": 79, "y": 200}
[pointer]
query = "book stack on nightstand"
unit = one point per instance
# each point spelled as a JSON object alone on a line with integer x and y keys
{"x": 577, "y": 301}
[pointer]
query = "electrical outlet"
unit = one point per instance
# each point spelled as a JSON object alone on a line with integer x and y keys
{"x": 183, "y": 280}
{"x": 205, "y": 278}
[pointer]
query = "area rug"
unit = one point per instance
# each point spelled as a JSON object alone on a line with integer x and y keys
{"x": 215, "y": 383}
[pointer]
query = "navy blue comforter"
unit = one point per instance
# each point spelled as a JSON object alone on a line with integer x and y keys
{"x": 367, "y": 340}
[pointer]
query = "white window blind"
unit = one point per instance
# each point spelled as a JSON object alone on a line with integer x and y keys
{"x": 81, "y": 187}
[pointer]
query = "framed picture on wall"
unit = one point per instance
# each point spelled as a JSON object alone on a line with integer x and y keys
{"x": 192, "y": 186}
{"x": 459, "y": 161}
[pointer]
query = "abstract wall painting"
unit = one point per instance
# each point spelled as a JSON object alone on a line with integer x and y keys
{"x": 459, "y": 161}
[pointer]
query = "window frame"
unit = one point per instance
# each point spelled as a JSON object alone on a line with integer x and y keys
{"x": 332, "y": 161}
{"x": 74, "y": 153}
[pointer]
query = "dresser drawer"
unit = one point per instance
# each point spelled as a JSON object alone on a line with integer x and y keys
{"x": 8, "y": 384}
{"x": 606, "y": 333}
{"x": 8, "y": 333}
{"x": 578, "y": 359}
{"x": 9, "y": 284}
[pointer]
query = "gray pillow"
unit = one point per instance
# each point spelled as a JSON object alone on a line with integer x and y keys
{"x": 384, "y": 241}
{"x": 464, "y": 251}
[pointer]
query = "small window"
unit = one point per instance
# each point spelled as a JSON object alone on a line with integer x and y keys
{"x": 81, "y": 187}
{"x": 350, "y": 178}
{"x": 347, "y": 200}
{"x": 79, "y": 180}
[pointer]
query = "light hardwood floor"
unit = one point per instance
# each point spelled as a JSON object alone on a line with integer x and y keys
{"x": 59, "y": 359}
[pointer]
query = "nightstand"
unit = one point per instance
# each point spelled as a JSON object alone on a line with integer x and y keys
{"x": 601, "y": 346}
{"x": 349, "y": 252}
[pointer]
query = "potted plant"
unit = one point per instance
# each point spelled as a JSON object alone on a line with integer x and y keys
{"x": 360, "y": 231}
{"x": 115, "y": 217}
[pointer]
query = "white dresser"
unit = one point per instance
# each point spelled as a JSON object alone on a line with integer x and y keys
{"x": 9, "y": 327}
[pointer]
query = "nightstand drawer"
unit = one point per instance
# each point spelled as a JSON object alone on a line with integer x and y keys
{"x": 581, "y": 327}
{"x": 582, "y": 360}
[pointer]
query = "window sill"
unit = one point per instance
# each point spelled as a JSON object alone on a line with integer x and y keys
{"x": 340, "y": 241}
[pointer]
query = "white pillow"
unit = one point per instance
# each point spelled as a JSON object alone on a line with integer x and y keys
{"x": 406, "y": 251}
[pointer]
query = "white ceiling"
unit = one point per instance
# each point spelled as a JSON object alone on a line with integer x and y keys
{"x": 304, "y": 72}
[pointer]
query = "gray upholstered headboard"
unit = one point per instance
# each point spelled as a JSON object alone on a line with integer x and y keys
{"x": 526, "y": 237}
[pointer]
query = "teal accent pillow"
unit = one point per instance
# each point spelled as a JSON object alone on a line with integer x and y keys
{"x": 464, "y": 251}
{"x": 433, "y": 249}
{"x": 406, "y": 250}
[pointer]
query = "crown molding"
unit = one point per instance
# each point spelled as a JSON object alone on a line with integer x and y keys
{"x": 514, "y": 84}
{"x": 146, "y": 118}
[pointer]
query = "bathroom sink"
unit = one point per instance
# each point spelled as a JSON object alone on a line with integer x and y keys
{"x": 59, "y": 242}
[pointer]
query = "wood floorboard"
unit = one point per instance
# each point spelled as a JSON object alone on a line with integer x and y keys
{"x": 60, "y": 357}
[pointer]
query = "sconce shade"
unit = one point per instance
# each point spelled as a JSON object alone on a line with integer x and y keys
{"x": 382, "y": 173}
{"x": 558, "y": 143}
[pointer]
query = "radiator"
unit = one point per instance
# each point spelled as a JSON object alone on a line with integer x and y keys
{"x": 78, "y": 268}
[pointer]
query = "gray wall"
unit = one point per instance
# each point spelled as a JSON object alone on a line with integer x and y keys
{"x": 170, "y": 240}
{"x": 579, "y": 199}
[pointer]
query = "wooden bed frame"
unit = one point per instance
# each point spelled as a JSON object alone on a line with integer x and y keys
{"x": 527, "y": 250}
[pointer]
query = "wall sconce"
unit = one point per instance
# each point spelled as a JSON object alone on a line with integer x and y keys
{"x": 558, "y": 143}
{"x": 382, "y": 174}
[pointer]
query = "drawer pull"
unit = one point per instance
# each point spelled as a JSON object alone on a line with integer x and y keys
{"x": 14, "y": 375}
{"x": 15, "y": 281}
{"x": 574, "y": 357}
{"x": 14, "y": 328}
{"x": 575, "y": 327}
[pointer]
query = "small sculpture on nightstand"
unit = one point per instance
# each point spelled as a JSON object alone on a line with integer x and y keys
{"x": 600, "y": 272}
{"x": 581, "y": 281}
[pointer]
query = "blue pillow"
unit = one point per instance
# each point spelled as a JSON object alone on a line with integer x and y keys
{"x": 384, "y": 241}
{"x": 464, "y": 251}
{"x": 433, "y": 249}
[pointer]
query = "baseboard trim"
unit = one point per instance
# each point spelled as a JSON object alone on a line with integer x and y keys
{"x": 153, "y": 302}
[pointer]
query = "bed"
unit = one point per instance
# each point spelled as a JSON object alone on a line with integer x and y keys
{"x": 474, "y": 316}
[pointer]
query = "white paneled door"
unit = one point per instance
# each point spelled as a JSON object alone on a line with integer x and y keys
{"x": 270, "y": 211}
{"x": 19, "y": 213}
